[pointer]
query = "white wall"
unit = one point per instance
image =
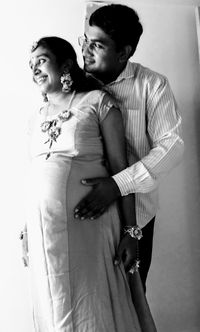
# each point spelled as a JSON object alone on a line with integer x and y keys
{"x": 169, "y": 46}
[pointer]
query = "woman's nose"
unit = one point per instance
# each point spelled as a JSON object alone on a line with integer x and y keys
{"x": 36, "y": 70}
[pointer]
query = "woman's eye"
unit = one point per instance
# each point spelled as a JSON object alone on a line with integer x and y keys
{"x": 41, "y": 61}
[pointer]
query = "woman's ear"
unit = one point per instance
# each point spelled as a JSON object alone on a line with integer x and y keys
{"x": 125, "y": 53}
{"x": 68, "y": 65}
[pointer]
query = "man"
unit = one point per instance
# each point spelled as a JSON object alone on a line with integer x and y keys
{"x": 152, "y": 122}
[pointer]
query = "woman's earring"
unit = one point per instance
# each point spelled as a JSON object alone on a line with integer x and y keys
{"x": 66, "y": 81}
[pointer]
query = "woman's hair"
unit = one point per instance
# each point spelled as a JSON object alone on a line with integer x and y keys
{"x": 63, "y": 51}
{"x": 120, "y": 22}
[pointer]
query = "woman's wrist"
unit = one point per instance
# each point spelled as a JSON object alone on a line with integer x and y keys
{"x": 134, "y": 231}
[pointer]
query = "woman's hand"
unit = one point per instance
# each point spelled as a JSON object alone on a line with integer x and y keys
{"x": 127, "y": 252}
{"x": 24, "y": 239}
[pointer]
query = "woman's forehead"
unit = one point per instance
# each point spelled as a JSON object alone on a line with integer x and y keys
{"x": 39, "y": 52}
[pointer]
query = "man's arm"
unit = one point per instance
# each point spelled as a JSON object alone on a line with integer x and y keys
{"x": 164, "y": 132}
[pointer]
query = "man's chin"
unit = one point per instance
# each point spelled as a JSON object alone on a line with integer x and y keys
{"x": 87, "y": 68}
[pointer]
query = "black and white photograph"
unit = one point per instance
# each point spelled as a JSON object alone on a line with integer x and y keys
{"x": 100, "y": 166}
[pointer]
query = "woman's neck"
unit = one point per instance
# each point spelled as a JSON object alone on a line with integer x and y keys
{"x": 59, "y": 98}
{"x": 60, "y": 102}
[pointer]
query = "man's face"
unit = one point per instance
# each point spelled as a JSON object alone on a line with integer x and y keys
{"x": 99, "y": 54}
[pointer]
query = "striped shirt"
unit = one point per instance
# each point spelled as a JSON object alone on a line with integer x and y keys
{"x": 152, "y": 127}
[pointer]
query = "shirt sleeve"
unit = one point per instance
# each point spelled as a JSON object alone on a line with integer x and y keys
{"x": 166, "y": 144}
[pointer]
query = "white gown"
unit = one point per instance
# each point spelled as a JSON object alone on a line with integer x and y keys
{"x": 75, "y": 285}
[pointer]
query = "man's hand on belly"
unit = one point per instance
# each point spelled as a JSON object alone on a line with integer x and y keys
{"x": 104, "y": 192}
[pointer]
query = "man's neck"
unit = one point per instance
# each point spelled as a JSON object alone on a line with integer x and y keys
{"x": 107, "y": 78}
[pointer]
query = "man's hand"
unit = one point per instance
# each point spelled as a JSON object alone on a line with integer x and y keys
{"x": 126, "y": 252}
{"x": 105, "y": 191}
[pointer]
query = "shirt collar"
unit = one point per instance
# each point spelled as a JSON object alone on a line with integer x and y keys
{"x": 128, "y": 72}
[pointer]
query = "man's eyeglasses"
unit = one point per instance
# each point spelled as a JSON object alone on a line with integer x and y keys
{"x": 92, "y": 45}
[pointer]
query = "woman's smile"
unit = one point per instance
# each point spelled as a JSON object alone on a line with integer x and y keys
{"x": 41, "y": 79}
{"x": 46, "y": 72}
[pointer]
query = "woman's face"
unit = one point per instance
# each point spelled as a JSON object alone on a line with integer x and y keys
{"x": 46, "y": 72}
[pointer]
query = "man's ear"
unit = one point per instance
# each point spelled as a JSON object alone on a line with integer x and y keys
{"x": 125, "y": 53}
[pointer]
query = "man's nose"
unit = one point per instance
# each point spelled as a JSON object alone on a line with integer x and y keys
{"x": 86, "y": 49}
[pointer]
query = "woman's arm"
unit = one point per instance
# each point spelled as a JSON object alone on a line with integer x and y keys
{"x": 115, "y": 147}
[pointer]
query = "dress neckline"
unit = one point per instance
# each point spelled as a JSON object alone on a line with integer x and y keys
{"x": 59, "y": 114}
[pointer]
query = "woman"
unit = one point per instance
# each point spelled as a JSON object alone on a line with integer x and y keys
{"x": 76, "y": 286}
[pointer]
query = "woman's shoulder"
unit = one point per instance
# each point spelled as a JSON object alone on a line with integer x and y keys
{"x": 92, "y": 97}
{"x": 97, "y": 102}
{"x": 98, "y": 96}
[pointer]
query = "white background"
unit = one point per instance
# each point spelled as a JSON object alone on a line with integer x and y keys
{"x": 168, "y": 45}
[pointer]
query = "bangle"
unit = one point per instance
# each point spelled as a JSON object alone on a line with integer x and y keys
{"x": 133, "y": 231}
{"x": 21, "y": 235}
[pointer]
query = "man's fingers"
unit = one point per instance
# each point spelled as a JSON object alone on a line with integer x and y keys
{"x": 90, "y": 212}
{"x": 100, "y": 197}
{"x": 83, "y": 205}
{"x": 104, "y": 192}
{"x": 97, "y": 214}
{"x": 88, "y": 208}
{"x": 84, "y": 209}
{"x": 85, "y": 214}
{"x": 90, "y": 182}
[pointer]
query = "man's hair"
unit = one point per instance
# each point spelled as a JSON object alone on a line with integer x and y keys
{"x": 120, "y": 22}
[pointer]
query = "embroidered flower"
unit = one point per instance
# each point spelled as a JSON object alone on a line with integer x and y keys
{"x": 53, "y": 128}
{"x": 64, "y": 116}
{"x": 54, "y": 132}
{"x": 45, "y": 126}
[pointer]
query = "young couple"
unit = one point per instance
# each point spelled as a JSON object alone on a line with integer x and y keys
{"x": 94, "y": 181}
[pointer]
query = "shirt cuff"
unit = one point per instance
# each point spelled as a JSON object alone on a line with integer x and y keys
{"x": 135, "y": 179}
{"x": 125, "y": 182}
